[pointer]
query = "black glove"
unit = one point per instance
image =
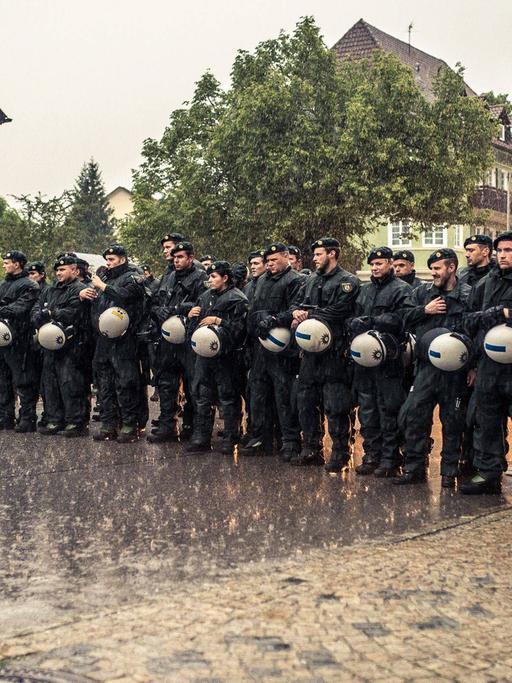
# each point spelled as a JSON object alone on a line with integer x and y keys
{"x": 165, "y": 312}
{"x": 359, "y": 325}
{"x": 265, "y": 325}
{"x": 390, "y": 323}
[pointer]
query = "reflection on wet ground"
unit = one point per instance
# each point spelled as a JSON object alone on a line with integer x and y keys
{"x": 103, "y": 523}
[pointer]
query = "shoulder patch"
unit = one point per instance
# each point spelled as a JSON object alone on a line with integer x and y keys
{"x": 347, "y": 286}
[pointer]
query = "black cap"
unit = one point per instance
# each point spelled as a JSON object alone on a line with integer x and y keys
{"x": 182, "y": 246}
{"x": 239, "y": 271}
{"x": 16, "y": 255}
{"x": 504, "y": 236}
{"x": 65, "y": 261}
{"x": 379, "y": 252}
{"x": 482, "y": 240}
{"x": 66, "y": 253}
{"x": 221, "y": 267}
{"x": 115, "y": 250}
{"x": 36, "y": 267}
{"x": 257, "y": 253}
{"x": 295, "y": 251}
{"x": 274, "y": 248}
{"x": 82, "y": 263}
{"x": 206, "y": 257}
{"x": 441, "y": 254}
{"x": 326, "y": 243}
{"x": 172, "y": 237}
{"x": 404, "y": 255}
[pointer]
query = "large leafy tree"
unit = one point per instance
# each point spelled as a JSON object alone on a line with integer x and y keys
{"x": 90, "y": 218}
{"x": 302, "y": 146}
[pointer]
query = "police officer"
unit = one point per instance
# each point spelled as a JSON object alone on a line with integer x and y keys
{"x": 180, "y": 288}
{"x": 403, "y": 264}
{"x": 37, "y": 273}
{"x": 441, "y": 303}
{"x": 272, "y": 374}
{"x": 116, "y": 362}
{"x": 18, "y": 368}
{"x": 150, "y": 281}
{"x": 257, "y": 267}
{"x": 206, "y": 260}
{"x": 379, "y": 390}
{"x": 323, "y": 377}
{"x": 216, "y": 379}
{"x": 295, "y": 257}
{"x": 479, "y": 258}
{"x": 492, "y": 300}
{"x": 64, "y": 371}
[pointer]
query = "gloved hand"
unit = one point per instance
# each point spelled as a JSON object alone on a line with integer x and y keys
{"x": 390, "y": 323}
{"x": 265, "y": 325}
{"x": 164, "y": 312}
{"x": 359, "y": 325}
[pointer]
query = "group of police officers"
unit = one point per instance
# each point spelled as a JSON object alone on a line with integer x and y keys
{"x": 273, "y": 347}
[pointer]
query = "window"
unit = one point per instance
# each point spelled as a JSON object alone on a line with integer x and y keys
{"x": 399, "y": 234}
{"x": 459, "y": 235}
{"x": 435, "y": 237}
{"x": 502, "y": 133}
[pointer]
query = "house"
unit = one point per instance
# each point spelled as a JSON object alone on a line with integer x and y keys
{"x": 120, "y": 201}
{"x": 492, "y": 197}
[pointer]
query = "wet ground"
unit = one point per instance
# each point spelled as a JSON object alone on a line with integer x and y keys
{"x": 99, "y": 524}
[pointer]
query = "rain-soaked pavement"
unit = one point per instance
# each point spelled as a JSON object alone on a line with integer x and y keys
{"x": 93, "y": 524}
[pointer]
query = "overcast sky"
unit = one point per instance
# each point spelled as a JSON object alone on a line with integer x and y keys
{"x": 96, "y": 78}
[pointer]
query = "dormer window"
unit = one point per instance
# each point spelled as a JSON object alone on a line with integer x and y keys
{"x": 502, "y": 133}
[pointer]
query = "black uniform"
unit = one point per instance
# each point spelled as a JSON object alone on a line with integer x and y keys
{"x": 274, "y": 373}
{"x": 116, "y": 363}
{"x": 324, "y": 377}
{"x": 179, "y": 291}
{"x": 379, "y": 391}
{"x": 433, "y": 386}
{"x": 64, "y": 378}
{"x": 493, "y": 390}
{"x": 412, "y": 280}
{"x": 471, "y": 275}
{"x": 217, "y": 378}
{"x": 18, "y": 366}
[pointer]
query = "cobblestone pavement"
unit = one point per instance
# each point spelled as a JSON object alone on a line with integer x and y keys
{"x": 435, "y": 606}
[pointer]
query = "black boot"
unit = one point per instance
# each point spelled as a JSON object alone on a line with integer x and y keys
{"x": 25, "y": 426}
{"x": 198, "y": 447}
{"x": 105, "y": 434}
{"x": 366, "y": 468}
{"x": 338, "y": 461}
{"x": 384, "y": 471}
{"x": 289, "y": 450}
{"x": 162, "y": 434}
{"x": 412, "y": 477}
{"x": 481, "y": 483}
{"x": 309, "y": 455}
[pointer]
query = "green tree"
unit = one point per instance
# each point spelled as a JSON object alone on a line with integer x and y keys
{"x": 12, "y": 233}
{"x": 90, "y": 218}
{"x": 44, "y": 229}
{"x": 302, "y": 146}
{"x": 499, "y": 98}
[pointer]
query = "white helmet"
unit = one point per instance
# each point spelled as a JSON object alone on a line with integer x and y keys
{"x": 5, "y": 333}
{"x": 313, "y": 335}
{"x": 173, "y": 330}
{"x": 449, "y": 352}
{"x": 206, "y": 342}
{"x": 368, "y": 349}
{"x": 113, "y": 322}
{"x": 277, "y": 340}
{"x": 498, "y": 343}
{"x": 408, "y": 353}
{"x": 52, "y": 336}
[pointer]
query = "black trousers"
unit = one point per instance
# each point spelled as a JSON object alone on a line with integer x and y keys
{"x": 216, "y": 380}
{"x": 272, "y": 375}
{"x": 120, "y": 389}
{"x": 18, "y": 375}
{"x": 380, "y": 394}
{"x": 493, "y": 397}
{"x": 64, "y": 388}
{"x": 434, "y": 387}
{"x": 176, "y": 364}
{"x": 324, "y": 389}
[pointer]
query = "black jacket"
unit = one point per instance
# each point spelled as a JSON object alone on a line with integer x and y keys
{"x": 472, "y": 275}
{"x": 383, "y": 301}
{"x": 275, "y": 295}
{"x": 411, "y": 279}
{"x": 125, "y": 288}
{"x": 178, "y": 292}
{"x": 18, "y": 294}
{"x": 231, "y": 306}
{"x": 334, "y": 294}
{"x": 60, "y": 303}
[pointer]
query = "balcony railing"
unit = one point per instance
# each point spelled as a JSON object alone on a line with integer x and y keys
{"x": 487, "y": 197}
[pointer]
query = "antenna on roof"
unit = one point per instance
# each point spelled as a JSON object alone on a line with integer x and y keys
{"x": 410, "y": 29}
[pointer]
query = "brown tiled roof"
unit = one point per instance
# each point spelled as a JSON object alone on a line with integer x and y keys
{"x": 362, "y": 40}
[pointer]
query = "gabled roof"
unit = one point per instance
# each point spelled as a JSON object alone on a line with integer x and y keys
{"x": 499, "y": 113}
{"x": 119, "y": 187}
{"x": 362, "y": 40}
